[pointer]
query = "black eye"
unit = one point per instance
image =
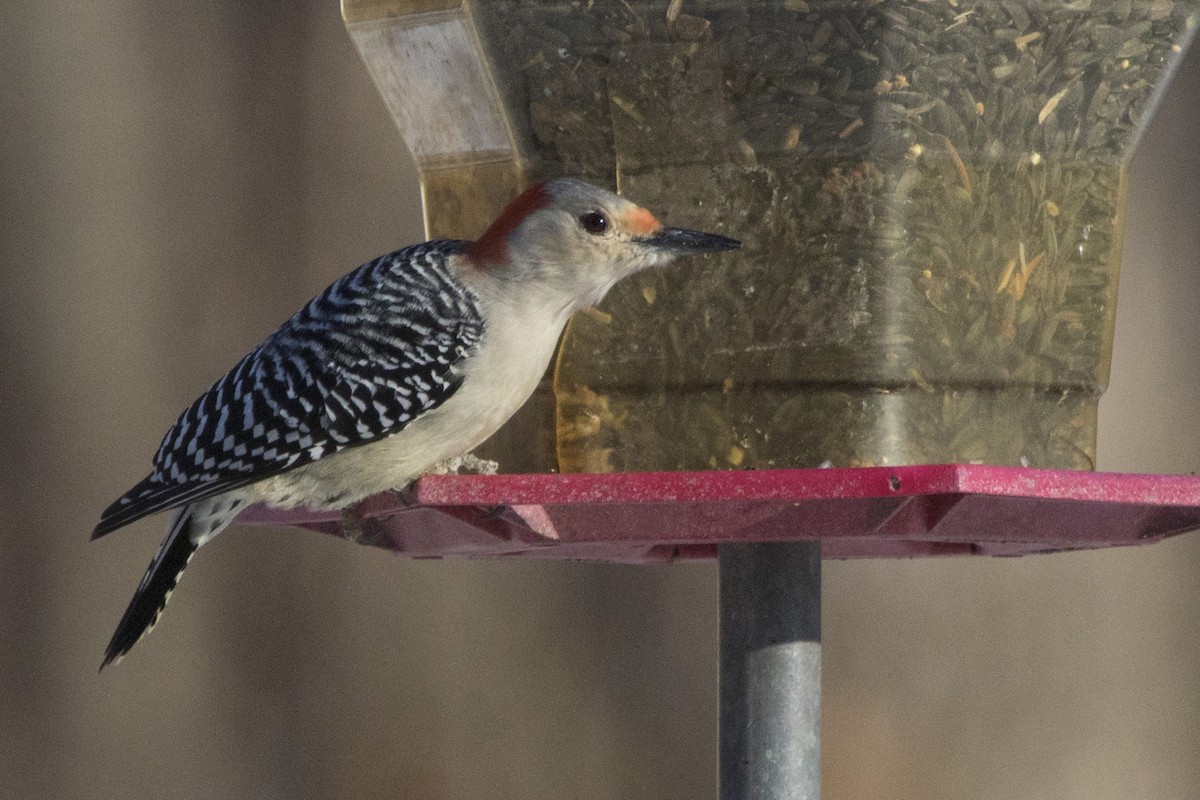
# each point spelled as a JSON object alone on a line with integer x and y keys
{"x": 594, "y": 222}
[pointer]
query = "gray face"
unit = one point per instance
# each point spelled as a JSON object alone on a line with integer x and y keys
{"x": 585, "y": 239}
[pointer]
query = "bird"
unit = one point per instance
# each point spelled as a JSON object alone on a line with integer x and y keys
{"x": 413, "y": 358}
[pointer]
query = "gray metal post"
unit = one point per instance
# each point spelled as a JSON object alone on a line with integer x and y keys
{"x": 770, "y": 671}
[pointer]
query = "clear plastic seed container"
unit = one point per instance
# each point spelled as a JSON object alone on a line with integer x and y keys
{"x": 930, "y": 196}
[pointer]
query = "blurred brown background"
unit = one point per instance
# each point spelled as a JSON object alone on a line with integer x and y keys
{"x": 176, "y": 179}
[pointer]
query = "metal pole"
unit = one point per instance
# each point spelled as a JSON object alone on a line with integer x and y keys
{"x": 770, "y": 671}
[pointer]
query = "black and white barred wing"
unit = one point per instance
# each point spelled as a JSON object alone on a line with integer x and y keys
{"x": 374, "y": 351}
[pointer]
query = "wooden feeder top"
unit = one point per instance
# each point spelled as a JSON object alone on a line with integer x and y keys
{"x": 872, "y": 512}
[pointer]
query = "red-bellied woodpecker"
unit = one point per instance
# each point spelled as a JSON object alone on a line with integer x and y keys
{"x": 409, "y": 360}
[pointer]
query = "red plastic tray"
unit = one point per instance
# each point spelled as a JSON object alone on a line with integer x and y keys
{"x": 873, "y": 512}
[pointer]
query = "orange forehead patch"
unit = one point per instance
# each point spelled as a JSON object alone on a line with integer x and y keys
{"x": 641, "y": 222}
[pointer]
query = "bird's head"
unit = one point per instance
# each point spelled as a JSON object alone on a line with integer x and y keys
{"x": 580, "y": 239}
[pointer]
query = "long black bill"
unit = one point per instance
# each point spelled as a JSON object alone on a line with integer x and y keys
{"x": 677, "y": 240}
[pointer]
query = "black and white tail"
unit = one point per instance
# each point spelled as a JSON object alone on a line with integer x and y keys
{"x": 157, "y": 584}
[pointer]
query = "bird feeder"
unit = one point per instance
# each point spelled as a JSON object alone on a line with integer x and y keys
{"x": 931, "y": 200}
{"x": 930, "y": 195}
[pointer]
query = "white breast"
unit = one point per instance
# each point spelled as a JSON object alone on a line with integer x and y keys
{"x": 510, "y": 360}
